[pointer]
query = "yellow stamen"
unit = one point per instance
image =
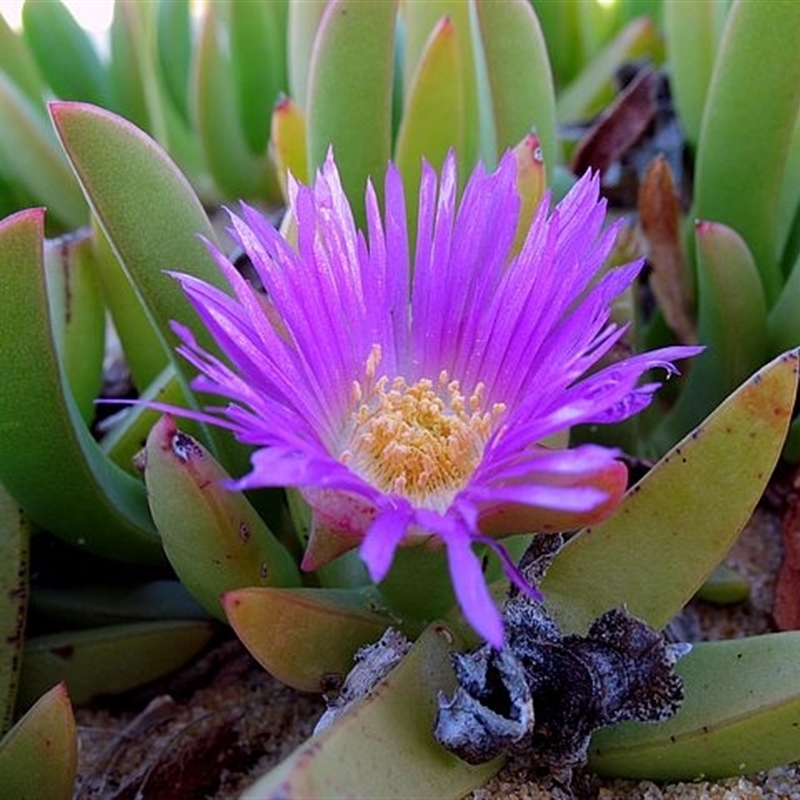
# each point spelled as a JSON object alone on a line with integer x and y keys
{"x": 422, "y": 440}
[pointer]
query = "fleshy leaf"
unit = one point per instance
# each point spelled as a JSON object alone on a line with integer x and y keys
{"x": 678, "y": 522}
{"x": 213, "y": 537}
{"x": 513, "y": 46}
{"x": 303, "y": 635}
{"x": 150, "y": 215}
{"x": 691, "y": 33}
{"x": 146, "y": 207}
{"x": 18, "y": 65}
{"x": 559, "y": 23}
{"x": 433, "y": 118}
{"x": 137, "y": 41}
{"x": 725, "y": 586}
{"x": 783, "y": 322}
{"x": 30, "y": 153}
{"x": 131, "y": 655}
{"x": 352, "y": 115}
{"x": 732, "y": 323}
{"x": 288, "y": 142}
{"x": 234, "y": 168}
{"x": 349, "y": 758}
{"x": 734, "y": 301}
{"x": 14, "y": 543}
{"x": 64, "y": 52}
{"x": 791, "y": 451}
{"x": 304, "y": 19}
{"x": 174, "y": 35}
{"x": 49, "y": 461}
{"x": 125, "y": 46}
{"x": 94, "y": 605}
{"x": 740, "y": 714}
{"x": 142, "y": 344}
{"x": 420, "y": 20}
{"x": 531, "y": 184}
{"x": 258, "y": 56}
{"x": 78, "y": 314}
{"x": 39, "y": 755}
{"x": 755, "y": 52}
{"x": 789, "y": 202}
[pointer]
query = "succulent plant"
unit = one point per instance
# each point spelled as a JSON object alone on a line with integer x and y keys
{"x": 141, "y": 152}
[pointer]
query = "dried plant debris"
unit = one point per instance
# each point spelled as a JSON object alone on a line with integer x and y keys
{"x": 372, "y": 664}
{"x": 544, "y": 693}
{"x": 622, "y": 141}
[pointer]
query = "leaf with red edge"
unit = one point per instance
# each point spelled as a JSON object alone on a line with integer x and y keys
{"x": 39, "y": 755}
{"x": 303, "y": 636}
{"x": 678, "y": 522}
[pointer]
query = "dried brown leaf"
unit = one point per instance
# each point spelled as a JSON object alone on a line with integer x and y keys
{"x": 619, "y": 126}
{"x": 660, "y": 221}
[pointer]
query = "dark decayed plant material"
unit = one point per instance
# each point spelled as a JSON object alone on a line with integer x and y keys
{"x": 543, "y": 693}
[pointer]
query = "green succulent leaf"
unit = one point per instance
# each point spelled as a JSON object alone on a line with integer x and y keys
{"x": 597, "y": 24}
{"x": 513, "y": 46}
{"x": 213, "y": 537}
{"x": 559, "y": 23}
{"x": 420, "y": 21}
{"x": 258, "y": 56}
{"x": 30, "y": 154}
{"x": 725, "y": 586}
{"x": 128, "y": 44}
{"x": 692, "y": 32}
{"x": 174, "y": 37}
{"x": 18, "y": 64}
{"x": 784, "y": 321}
{"x": 39, "y": 755}
{"x": 789, "y": 204}
{"x": 740, "y": 714}
{"x": 92, "y": 605}
{"x": 146, "y": 355}
{"x": 678, "y": 522}
{"x": 152, "y": 218}
{"x": 731, "y": 298}
{"x": 791, "y": 451}
{"x": 349, "y": 759}
{"x": 303, "y": 635}
{"x": 734, "y": 140}
{"x": 135, "y": 42}
{"x": 345, "y": 111}
{"x": 593, "y": 88}
{"x": 48, "y": 460}
{"x": 144, "y": 205}
{"x": 65, "y": 54}
{"x": 78, "y": 314}
{"x": 288, "y": 143}
{"x": 433, "y": 120}
{"x": 217, "y": 115}
{"x": 13, "y": 196}
{"x": 302, "y": 26}
{"x": 131, "y": 655}
{"x": 14, "y": 543}
{"x": 732, "y": 323}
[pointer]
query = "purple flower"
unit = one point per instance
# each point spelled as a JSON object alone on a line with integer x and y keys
{"x": 407, "y": 395}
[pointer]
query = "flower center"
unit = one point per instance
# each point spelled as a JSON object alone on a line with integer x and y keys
{"x": 423, "y": 440}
